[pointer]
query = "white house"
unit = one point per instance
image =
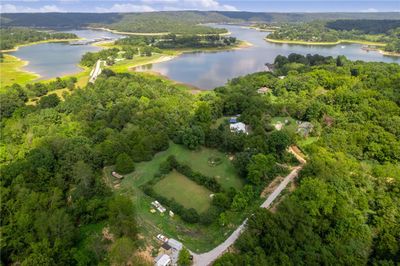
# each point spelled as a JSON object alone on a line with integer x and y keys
{"x": 238, "y": 127}
{"x": 162, "y": 260}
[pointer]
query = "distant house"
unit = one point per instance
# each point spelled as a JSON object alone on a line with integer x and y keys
{"x": 263, "y": 90}
{"x": 239, "y": 128}
{"x": 162, "y": 260}
{"x": 116, "y": 175}
{"x": 304, "y": 128}
{"x": 175, "y": 244}
{"x": 282, "y": 77}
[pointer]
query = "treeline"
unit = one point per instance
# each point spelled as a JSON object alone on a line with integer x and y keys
{"x": 56, "y": 20}
{"x": 173, "y": 41}
{"x": 345, "y": 209}
{"x": 74, "y": 20}
{"x": 188, "y": 215}
{"x": 168, "y": 22}
{"x": 11, "y": 37}
{"x": 147, "y": 45}
{"x": 318, "y": 31}
{"x": 364, "y": 25}
{"x": 16, "y": 96}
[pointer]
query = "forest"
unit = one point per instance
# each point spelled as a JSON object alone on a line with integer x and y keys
{"x": 384, "y": 31}
{"x": 167, "y": 22}
{"x": 345, "y": 208}
{"x": 364, "y": 25}
{"x": 11, "y": 37}
{"x": 76, "y": 20}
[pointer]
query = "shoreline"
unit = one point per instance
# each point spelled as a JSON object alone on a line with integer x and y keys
{"x": 383, "y": 52}
{"x": 323, "y": 43}
{"x": 17, "y": 71}
{"x": 150, "y": 33}
{"x": 386, "y": 53}
{"x": 16, "y": 48}
{"x": 177, "y": 53}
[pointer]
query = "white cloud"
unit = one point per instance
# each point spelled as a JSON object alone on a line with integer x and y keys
{"x": 370, "y": 10}
{"x": 121, "y": 8}
{"x": 209, "y": 5}
{"x": 159, "y": 1}
{"x": 9, "y": 8}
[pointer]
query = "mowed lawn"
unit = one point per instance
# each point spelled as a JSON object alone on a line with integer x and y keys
{"x": 225, "y": 172}
{"x": 11, "y": 72}
{"x": 184, "y": 191}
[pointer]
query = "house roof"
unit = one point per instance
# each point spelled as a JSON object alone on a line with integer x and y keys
{"x": 166, "y": 246}
{"x": 162, "y": 260}
{"x": 238, "y": 127}
{"x": 175, "y": 244}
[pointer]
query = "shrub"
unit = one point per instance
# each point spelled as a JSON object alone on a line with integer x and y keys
{"x": 124, "y": 164}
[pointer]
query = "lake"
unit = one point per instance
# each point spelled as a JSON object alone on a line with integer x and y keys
{"x": 205, "y": 70}
{"x": 51, "y": 60}
{"x": 209, "y": 70}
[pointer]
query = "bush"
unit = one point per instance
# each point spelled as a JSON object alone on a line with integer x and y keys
{"x": 124, "y": 164}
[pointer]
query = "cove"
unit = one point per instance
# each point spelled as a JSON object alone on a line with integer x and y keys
{"x": 207, "y": 70}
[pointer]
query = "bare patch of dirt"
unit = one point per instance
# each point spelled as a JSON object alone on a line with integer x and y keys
{"x": 107, "y": 235}
{"x": 274, "y": 207}
{"x": 145, "y": 255}
{"x": 271, "y": 187}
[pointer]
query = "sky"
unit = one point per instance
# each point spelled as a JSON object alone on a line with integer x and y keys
{"x": 100, "y": 6}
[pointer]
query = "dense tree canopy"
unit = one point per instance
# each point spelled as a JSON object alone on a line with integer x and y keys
{"x": 11, "y": 37}
{"x": 346, "y": 207}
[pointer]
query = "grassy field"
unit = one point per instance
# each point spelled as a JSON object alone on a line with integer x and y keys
{"x": 292, "y": 126}
{"x": 197, "y": 160}
{"x": 11, "y": 72}
{"x": 184, "y": 191}
{"x": 196, "y": 237}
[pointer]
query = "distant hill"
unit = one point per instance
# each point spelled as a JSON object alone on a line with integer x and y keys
{"x": 170, "y": 20}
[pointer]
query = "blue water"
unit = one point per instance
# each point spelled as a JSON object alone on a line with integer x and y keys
{"x": 209, "y": 70}
{"x": 51, "y": 60}
{"x": 203, "y": 70}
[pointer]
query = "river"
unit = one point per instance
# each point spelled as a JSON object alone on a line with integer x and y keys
{"x": 205, "y": 70}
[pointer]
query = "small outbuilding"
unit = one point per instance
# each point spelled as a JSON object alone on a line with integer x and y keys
{"x": 239, "y": 128}
{"x": 175, "y": 244}
{"x": 116, "y": 175}
{"x": 162, "y": 260}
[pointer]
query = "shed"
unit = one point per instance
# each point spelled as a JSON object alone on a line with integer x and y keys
{"x": 116, "y": 175}
{"x": 238, "y": 127}
{"x": 233, "y": 120}
{"x": 175, "y": 244}
{"x": 162, "y": 260}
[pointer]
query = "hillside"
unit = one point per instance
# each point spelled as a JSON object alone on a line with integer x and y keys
{"x": 193, "y": 17}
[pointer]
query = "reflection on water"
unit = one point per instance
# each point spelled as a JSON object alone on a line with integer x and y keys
{"x": 209, "y": 70}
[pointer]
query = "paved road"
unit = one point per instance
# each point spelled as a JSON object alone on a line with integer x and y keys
{"x": 95, "y": 71}
{"x": 207, "y": 258}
